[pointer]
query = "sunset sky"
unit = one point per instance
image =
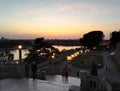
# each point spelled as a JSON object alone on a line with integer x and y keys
{"x": 57, "y": 19}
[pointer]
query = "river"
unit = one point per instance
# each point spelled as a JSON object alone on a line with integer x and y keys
{"x": 25, "y": 51}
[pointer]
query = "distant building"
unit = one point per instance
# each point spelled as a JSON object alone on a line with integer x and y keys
{"x": 105, "y": 45}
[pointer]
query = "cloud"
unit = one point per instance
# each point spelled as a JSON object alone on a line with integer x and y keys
{"x": 86, "y": 6}
{"x": 74, "y": 6}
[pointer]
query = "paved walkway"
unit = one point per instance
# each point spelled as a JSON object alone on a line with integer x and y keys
{"x": 53, "y": 83}
{"x": 109, "y": 71}
{"x": 58, "y": 79}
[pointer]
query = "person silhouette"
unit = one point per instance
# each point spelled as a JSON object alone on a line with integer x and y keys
{"x": 65, "y": 74}
{"x": 62, "y": 73}
{"x": 26, "y": 69}
{"x": 77, "y": 73}
{"x": 34, "y": 69}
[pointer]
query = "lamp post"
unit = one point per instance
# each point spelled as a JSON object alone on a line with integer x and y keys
{"x": 20, "y": 52}
{"x": 53, "y": 68}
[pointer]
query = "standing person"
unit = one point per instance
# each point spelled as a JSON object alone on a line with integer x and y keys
{"x": 66, "y": 76}
{"x": 66, "y": 73}
{"x": 77, "y": 73}
{"x": 34, "y": 69}
{"x": 26, "y": 69}
{"x": 63, "y": 74}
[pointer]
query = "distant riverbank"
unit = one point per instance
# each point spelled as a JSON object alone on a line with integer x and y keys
{"x": 30, "y": 42}
{"x": 26, "y": 51}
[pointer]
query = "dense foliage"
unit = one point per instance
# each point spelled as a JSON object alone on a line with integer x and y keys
{"x": 92, "y": 39}
{"x": 6, "y": 54}
{"x": 41, "y": 51}
{"x": 14, "y": 43}
{"x": 114, "y": 38}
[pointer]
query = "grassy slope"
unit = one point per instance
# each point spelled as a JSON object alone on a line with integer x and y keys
{"x": 85, "y": 60}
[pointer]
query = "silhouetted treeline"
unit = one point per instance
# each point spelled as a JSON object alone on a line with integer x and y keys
{"x": 14, "y": 43}
{"x": 92, "y": 39}
{"x": 114, "y": 38}
{"x": 29, "y": 43}
{"x": 40, "y": 51}
{"x": 69, "y": 42}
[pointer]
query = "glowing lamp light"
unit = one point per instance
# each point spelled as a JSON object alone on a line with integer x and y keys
{"x": 81, "y": 51}
{"x": 69, "y": 58}
{"x": 17, "y": 62}
{"x": 72, "y": 55}
{"x": 19, "y": 46}
{"x": 38, "y": 50}
{"x": 50, "y": 50}
{"x": 94, "y": 48}
{"x": 86, "y": 50}
{"x": 53, "y": 56}
{"x": 75, "y": 54}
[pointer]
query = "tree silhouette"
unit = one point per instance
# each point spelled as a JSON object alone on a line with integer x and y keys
{"x": 11, "y": 57}
{"x": 92, "y": 39}
{"x": 114, "y": 38}
{"x": 41, "y": 51}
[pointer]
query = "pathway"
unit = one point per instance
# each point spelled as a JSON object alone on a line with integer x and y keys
{"x": 53, "y": 83}
{"x": 109, "y": 71}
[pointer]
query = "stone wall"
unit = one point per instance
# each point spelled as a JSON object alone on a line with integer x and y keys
{"x": 12, "y": 71}
{"x": 6, "y": 72}
{"x": 117, "y": 54}
{"x": 94, "y": 83}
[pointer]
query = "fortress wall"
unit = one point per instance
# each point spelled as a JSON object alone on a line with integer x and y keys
{"x": 117, "y": 54}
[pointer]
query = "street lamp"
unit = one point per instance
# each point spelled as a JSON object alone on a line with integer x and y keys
{"x": 69, "y": 58}
{"x": 20, "y": 52}
{"x": 53, "y": 66}
{"x": 94, "y": 48}
{"x": 53, "y": 56}
{"x": 17, "y": 62}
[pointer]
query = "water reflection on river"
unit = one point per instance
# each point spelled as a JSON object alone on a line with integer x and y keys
{"x": 16, "y": 53}
{"x": 25, "y": 51}
{"x": 60, "y": 48}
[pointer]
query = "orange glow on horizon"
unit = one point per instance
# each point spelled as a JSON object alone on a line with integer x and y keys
{"x": 54, "y": 31}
